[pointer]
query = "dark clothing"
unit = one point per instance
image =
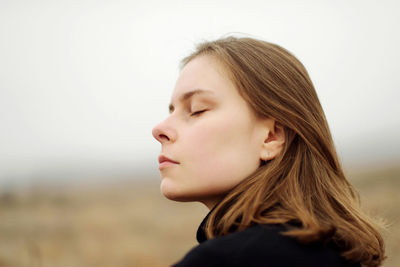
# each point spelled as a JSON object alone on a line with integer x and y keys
{"x": 260, "y": 245}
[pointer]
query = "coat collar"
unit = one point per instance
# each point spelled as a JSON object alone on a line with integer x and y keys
{"x": 201, "y": 234}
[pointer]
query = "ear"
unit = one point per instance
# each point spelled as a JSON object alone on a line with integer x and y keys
{"x": 273, "y": 141}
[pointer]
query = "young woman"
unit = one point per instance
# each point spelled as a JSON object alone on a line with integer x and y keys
{"x": 247, "y": 137}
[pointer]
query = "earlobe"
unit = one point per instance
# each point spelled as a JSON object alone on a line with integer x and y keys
{"x": 265, "y": 156}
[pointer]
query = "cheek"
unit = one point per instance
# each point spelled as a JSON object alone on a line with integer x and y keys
{"x": 221, "y": 153}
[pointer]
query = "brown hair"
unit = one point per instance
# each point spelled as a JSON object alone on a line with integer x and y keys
{"x": 304, "y": 186}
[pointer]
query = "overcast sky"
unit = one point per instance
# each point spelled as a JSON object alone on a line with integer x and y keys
{"x": 82, "y": 83}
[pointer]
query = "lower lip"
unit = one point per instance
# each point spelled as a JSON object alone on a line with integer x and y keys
{"x": 166, "y": 164}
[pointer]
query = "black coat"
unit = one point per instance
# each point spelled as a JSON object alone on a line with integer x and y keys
{"x": 260, "y": 245}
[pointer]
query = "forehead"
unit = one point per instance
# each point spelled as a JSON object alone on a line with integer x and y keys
{"x": 205, "y": 76}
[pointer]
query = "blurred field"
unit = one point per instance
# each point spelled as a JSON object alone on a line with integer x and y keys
{"x": 131, "y": 224}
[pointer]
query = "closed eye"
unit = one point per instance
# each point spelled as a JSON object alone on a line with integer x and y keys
{"x": 198, "y": 112}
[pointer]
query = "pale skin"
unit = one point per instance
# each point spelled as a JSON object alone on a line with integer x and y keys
{"x": 213, "y": 134}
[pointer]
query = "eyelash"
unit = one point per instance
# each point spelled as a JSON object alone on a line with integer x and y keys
{"x": 197, "y": 112}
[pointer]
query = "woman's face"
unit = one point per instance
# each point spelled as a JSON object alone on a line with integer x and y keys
{"x": 211, "y": 132}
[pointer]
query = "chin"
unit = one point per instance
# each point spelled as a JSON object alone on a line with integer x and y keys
{"x": 172, "y": 191}
{"x": 169, "y": 190}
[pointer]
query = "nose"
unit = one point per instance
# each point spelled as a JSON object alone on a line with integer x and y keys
{"x": 164, "y": 133}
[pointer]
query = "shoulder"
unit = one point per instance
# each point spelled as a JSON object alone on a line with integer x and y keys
{"x": 260, "y": 245}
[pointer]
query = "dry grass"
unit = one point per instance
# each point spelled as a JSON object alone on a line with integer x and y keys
{"x": 131, "y": 224}
{"x": 380, "y": 196}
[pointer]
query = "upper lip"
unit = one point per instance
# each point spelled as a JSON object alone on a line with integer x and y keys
{"x": 163, "y": 158}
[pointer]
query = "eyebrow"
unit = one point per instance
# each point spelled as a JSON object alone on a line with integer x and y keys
{"x": 186, "y": 96}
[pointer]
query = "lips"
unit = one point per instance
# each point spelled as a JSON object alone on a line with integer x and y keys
{"x": 166, "y": 162}
{"x": 163, "y": 158}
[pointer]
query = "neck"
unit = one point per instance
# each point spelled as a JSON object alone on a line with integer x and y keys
{"x": 210, "y": 203}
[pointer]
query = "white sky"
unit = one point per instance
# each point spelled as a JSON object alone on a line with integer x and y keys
{"x": 82, "y": 83}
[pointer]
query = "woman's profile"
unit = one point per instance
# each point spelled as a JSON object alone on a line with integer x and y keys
{"x": 247, "y": 137}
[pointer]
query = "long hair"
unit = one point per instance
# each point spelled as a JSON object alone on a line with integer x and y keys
{"x": 304, "y": 187}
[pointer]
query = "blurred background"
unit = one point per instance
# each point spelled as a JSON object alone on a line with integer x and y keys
{"x": 82, "y": 83}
